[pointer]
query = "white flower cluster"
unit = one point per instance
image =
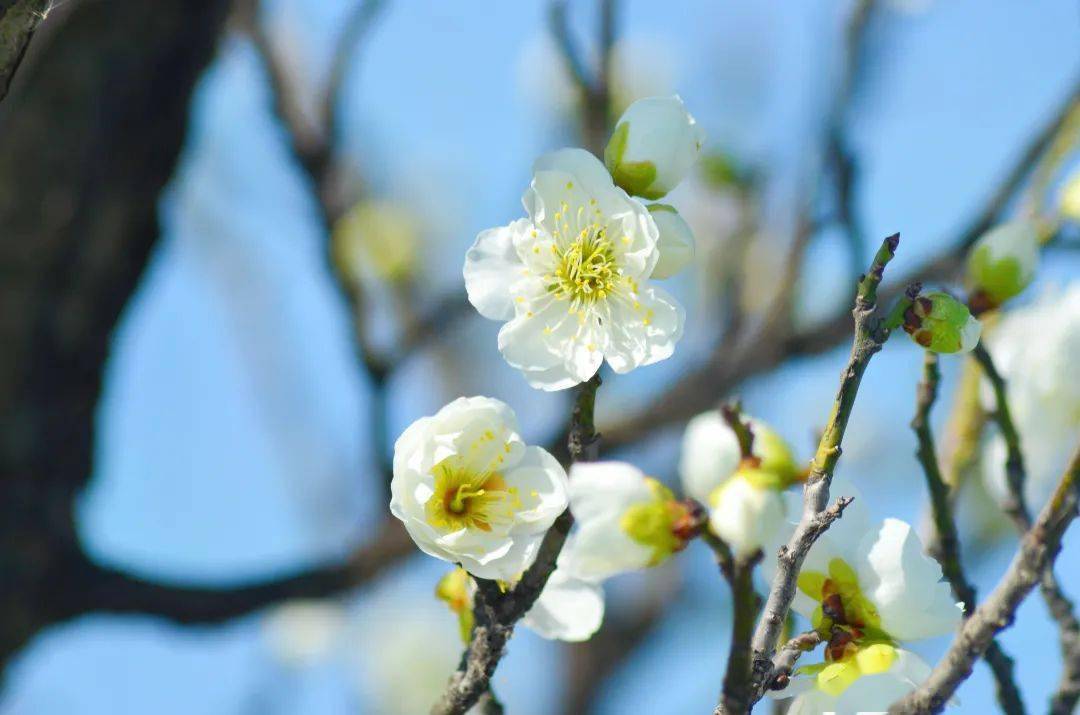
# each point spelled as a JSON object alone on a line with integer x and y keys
{"x": 572, "y": 282}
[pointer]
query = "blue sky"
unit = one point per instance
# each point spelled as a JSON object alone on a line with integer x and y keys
{"x": 232, "y": 442}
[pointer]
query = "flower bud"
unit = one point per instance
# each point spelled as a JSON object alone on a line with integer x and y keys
{"x": 655, "y": 143}
{"x": 676, "y": 242}
{"x": 455, "y": 588}
{"x": 942, "y": 324}
{"x": 1069, "y": 204}
{"x": 1002, "y": 263}
{"x": 376, "y": 239}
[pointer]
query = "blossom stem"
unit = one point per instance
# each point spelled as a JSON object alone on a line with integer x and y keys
{"x": 945, "y": 536}
{"x": 1061, "y": 607}
{"x": 497, "y": 612}
{"x": 817, "y": 516}
{"x": 1038, "y": 549}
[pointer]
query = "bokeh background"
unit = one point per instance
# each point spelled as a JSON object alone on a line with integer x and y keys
{"x": 239, "y": 440}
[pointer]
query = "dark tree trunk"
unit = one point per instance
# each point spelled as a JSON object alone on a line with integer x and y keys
{"x": 88, "y": 141}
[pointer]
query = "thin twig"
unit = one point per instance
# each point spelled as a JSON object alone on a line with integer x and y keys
{"x": 1038, "y": 549}
{"x": 947, "y": 540}
{"x": 497, "y": 612}
{"x": 746, "y": 603}
{"x": 870, "y": 335}
{"x": 788, "y": 656}
{"x": 1015, "y": 505}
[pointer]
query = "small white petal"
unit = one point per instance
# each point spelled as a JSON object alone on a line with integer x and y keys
{"x": 569, "y": 609}
{"x": 492, "y": 266}
{"x": 675, "y": 244}
{"x": 905, "y": 584}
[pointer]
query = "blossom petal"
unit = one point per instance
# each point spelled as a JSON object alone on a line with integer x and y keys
{"x": 569, "y": 609}
{"x": 542, "y": 486}
{"x": 491, "y": 267}
{"x": 644, "y": 330}
{"x": 905, "y": 584}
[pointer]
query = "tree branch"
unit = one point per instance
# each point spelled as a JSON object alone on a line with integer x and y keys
{"x": 870, "y": 335}
{"x": 19, "y": 20}
{"x": 745, "y": 603}
{"x": 946, "y": 538}
{"x": 1038, "y": 549}
{"x": 1061, "y": 607}
{"x": 496, "y": 612}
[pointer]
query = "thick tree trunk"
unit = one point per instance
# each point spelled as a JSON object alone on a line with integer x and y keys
{"x": 87, "y": 143}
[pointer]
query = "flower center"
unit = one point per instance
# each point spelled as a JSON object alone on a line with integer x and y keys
{"x": 585, "y": 267}
{"x": 465, "y": 499}
{"x": 655, "y": 524}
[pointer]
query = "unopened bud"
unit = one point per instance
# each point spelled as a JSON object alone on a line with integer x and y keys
{"x": 653, "y": 147}
{"x": 942, "y": 324}
{"x": 1002, "y": 263}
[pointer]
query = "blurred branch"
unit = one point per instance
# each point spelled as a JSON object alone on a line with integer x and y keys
{"x": 497, "y": 612}
{"x": 696, "y": 390}
{"x": 870, "y": 335}
{"x": 1015, "y": 506}
{"x": 106, "y": 590}
{"x": 839, "y": 155}
{"x": 594, "y": 90}
{"x": 18, "y": 21}
{"x": 946, "y": 538}
{"x": 79, "y": 196}
{"x": 1038, "y": 549}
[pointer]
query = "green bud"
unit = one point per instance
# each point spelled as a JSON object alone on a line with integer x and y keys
{"x": 1002, "y": 263}
{"x": 942, "y": 324}
{"x": 654, "y": 145}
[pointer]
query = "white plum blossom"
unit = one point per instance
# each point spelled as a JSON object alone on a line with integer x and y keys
{"x": 747, "y": 505}
{"x": 654, "y": 146}
{"x": 1035, "y": 349}
{"x": 571, "y": 280}
{"x": 471, "y": 492}
{"x": 625, "y": 521}
{"x": 676, "y": 242}
{"x": 869, "y": 592}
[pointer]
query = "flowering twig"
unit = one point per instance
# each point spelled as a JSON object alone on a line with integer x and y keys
{"x": 1038, "y": 549}
{"x": 870, "y": 335}
{"x": 724, "y": 369}
{"x": 496, "y": 611}
{"x": 946, "y": 539}
{"x": 1015, "y": 505}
